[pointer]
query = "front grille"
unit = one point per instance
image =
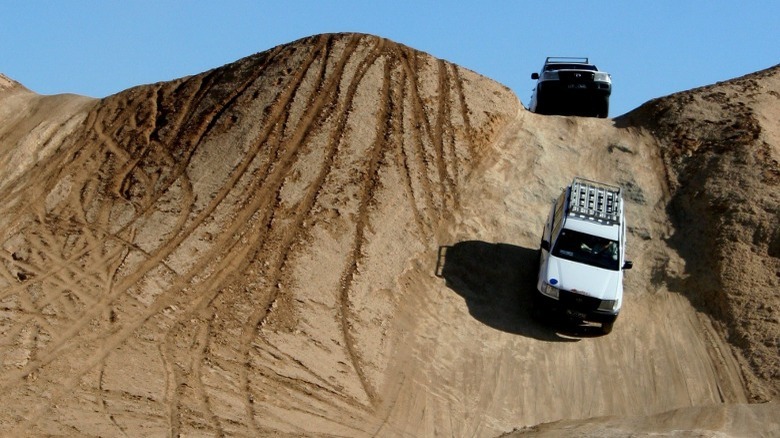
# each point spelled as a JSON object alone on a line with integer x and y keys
{"x": 576, "y": 301}
{"x": 576, "y": 76}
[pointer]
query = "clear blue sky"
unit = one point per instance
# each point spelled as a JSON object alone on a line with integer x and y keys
{"x": 651, "y": 48}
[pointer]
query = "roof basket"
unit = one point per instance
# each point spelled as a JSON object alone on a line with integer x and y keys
{"x": 566, "y": 59}
{"x": 594, "y": 200}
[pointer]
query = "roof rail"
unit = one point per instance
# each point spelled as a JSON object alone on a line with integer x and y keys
{"x": 595, "y": 200}
{"x": 566, "y": 59}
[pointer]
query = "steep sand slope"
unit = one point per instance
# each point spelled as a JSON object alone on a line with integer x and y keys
{"x": 662, "y": 355}
{"x": 337, "y": 236}
{"x": 721, "y": 147}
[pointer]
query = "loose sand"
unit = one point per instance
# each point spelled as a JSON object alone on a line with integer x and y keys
{"x": 337, "y": 237}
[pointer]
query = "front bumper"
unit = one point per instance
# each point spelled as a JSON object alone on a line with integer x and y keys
{"x": 584, "y": 99}
{"x": 560, "y": 88}
{"x": 575, "y": 306}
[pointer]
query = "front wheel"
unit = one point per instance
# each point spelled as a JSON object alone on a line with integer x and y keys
{"x": 602, "y": 107}
{"x": 539, "y": 310}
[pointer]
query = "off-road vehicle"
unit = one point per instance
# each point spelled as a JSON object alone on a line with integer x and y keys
{"x": 582, "y": 254}
{"x": 571, "y": 87}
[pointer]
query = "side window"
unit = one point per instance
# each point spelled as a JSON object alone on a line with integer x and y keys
{"x": 558, "y": 215}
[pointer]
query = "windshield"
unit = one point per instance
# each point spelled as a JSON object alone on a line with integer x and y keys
{"x": 584, "y": 248}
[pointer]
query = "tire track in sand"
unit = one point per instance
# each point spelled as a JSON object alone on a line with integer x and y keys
{"x": 97, "y": 309}
{"x": 318, "y": 108}
{"x": 200, "y": 365}
{"x": 371, "y": 181}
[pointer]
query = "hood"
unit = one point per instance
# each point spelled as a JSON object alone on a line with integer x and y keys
{"x": 592, "y": 281}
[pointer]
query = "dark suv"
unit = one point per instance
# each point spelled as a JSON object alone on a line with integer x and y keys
{"x": 571, "y": 87}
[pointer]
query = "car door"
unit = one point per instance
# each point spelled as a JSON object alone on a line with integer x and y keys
{"x": 551, "y": 230}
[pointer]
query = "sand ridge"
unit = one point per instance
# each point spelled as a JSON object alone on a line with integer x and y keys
{"x": 337, "y": 236}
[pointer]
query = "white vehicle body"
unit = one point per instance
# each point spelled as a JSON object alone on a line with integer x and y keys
{"x": 582, "y": 254}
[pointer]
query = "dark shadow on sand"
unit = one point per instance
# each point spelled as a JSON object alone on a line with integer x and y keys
{"x": 498, "y": 281}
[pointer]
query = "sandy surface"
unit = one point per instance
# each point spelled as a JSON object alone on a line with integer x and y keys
{"x": 337, "y": 237}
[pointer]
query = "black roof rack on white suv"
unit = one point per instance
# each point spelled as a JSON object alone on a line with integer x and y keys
{"x": 577, "y": 59}
{"x": 594, "y": 200}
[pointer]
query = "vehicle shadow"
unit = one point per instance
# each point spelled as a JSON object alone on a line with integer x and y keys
{"x": 498, "y": 281}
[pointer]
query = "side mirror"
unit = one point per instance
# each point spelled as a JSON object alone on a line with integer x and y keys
{"x": 628, "y": 264}
{"x": 534, "y": 76}
{"x": 545, "y": 245}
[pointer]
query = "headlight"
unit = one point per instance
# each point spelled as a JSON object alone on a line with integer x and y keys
{"x": 609, "y": 305}
{"x": 602, "y": 77}
{"x": 550, "y": 291}
{"x": 550, "y": 76}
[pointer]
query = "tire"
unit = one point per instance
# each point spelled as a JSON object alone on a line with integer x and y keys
{"x": 602, "y": 107}
{"x": 539, "y": 311}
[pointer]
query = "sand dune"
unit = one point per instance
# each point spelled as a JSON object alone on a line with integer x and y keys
{"x": 338, "y": 237}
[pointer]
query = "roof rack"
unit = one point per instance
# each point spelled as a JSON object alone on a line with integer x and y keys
{"x": 594, "y": 200}
{"x": 554, "y": 59}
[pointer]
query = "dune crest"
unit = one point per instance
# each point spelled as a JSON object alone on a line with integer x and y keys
{"x": 337, "y": 236}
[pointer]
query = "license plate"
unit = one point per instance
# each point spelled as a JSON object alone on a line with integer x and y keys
{"x": 575, "y": 314}
{"x": 578, "y": 86}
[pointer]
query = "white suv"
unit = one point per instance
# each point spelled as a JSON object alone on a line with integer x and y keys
{"x": 571, "y": 87}
{"x": 582, "y": 254}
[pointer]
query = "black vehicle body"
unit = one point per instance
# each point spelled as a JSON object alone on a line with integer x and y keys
{"x": 571, "y": 87}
